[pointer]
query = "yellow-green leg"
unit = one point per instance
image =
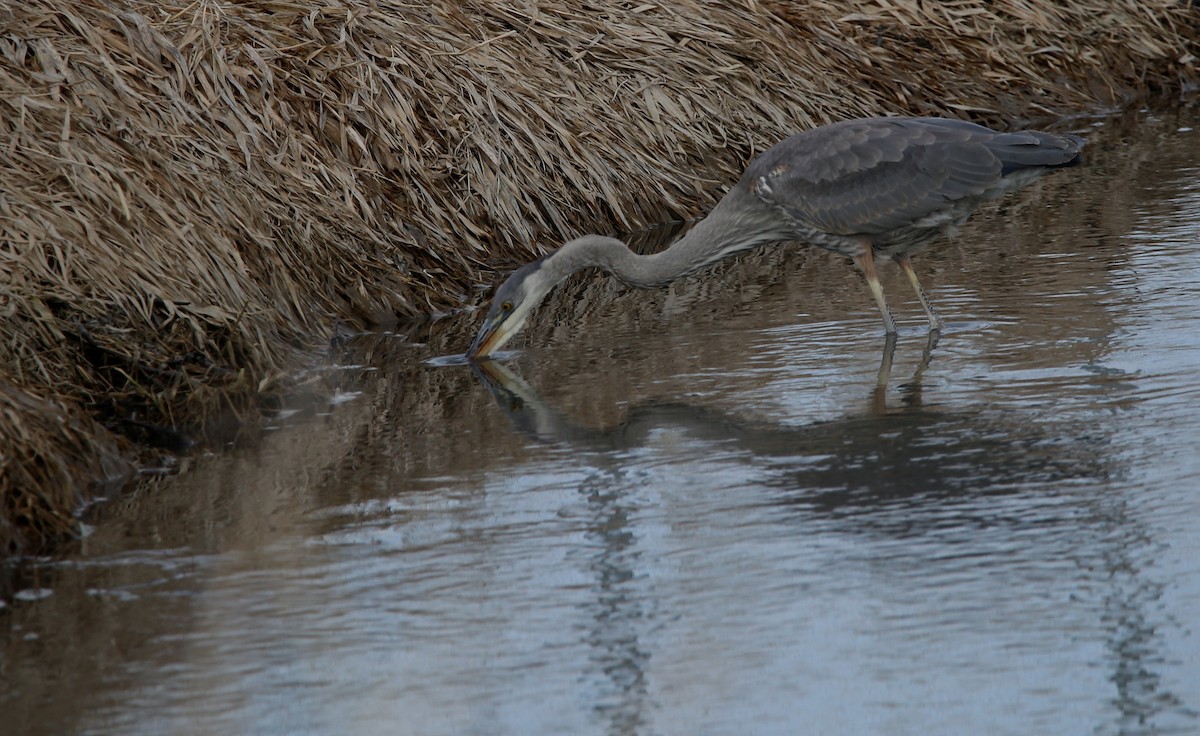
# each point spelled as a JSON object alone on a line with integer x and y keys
{"x": 866, "y": 263}
{"x": 935, "y": 322}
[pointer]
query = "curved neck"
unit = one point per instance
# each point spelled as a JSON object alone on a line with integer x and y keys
{"x": 729, "y": 229}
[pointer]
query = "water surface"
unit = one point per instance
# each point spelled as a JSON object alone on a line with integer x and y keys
{"x": 691, "y": 511}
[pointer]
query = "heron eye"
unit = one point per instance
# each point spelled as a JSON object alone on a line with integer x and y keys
{"x": 506, "y": 306}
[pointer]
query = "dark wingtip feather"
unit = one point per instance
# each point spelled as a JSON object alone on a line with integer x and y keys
{"x": 1030, "y": 149}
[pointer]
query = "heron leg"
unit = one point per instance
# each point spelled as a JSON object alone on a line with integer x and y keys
{"x": 866, "y": 263}
{"x": 935, "y": 322}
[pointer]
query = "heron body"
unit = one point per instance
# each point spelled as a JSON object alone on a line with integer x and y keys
{"x": 867, "y": 188}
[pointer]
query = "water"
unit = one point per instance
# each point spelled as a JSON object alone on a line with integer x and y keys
{"x": 691, "y": 511}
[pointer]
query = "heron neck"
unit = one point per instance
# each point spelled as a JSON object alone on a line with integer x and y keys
{"x": 726, "y": 231}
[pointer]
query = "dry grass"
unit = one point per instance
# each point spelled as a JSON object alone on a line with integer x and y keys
{"x": 1005, "y": 61}
{"x": 46, "y": 480}
{"x": 191, "y": 192}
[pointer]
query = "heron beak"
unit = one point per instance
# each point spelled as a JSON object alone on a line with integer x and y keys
{"x": 491, "y": 336}
{"x": 483, "y": 344}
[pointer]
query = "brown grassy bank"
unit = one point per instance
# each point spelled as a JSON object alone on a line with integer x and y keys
{"x": 191, "y": 193}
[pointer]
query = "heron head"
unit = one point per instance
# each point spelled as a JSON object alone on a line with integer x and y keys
{"x": 511, "y": 305}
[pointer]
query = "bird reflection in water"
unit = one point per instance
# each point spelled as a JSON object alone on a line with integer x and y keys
{"x": 532, "y": 416}
{"x": 879, "y": 452}
{"x": 909, "y": 473}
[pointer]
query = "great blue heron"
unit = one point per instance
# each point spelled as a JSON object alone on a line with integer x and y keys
{"x": 863, "y": 188}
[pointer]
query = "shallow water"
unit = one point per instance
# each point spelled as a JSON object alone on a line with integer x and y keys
{"x": 691, "y": 511}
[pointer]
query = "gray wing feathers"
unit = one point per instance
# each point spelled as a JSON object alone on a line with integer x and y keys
{"x": 866, "y": 177}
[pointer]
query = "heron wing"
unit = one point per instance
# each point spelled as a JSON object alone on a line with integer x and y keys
{"x": 865, "y": 177}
